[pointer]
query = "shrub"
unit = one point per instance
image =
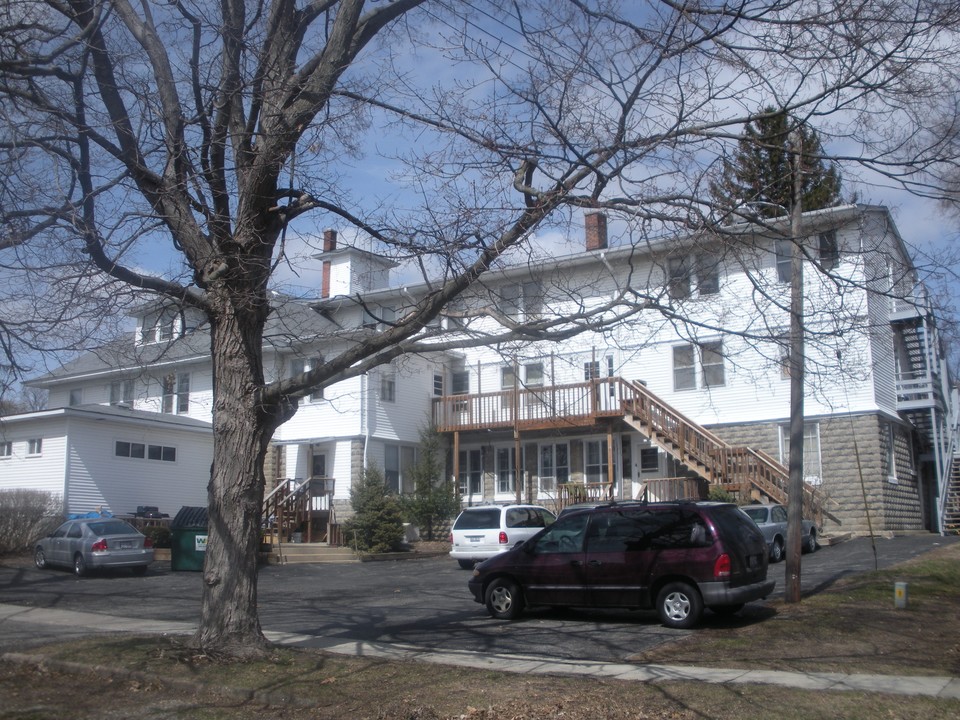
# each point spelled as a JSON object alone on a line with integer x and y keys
{"x": 25, "y": 517}
{"x": 433, "y": 501}
{"x": 718, "y": 494}
{"x": 377, "y": 523}
{"x": 159, "y": 535}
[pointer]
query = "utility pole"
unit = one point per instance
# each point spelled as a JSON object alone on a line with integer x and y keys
{"x": 795, "y": 484}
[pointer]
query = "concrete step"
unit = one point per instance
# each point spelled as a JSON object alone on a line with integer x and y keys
{"x": 292, "y": 553}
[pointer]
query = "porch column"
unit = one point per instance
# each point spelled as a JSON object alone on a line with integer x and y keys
{"x": 611, "y": 464}
{"x": 456, "y": 466}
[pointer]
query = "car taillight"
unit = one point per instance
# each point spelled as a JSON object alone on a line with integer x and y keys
{"x": 147, "y": 543}
{"x": 451, "y": 538}
{"x": 503, "y": 538}
{"x": 99, "y": 546}
{"x": 721, "y": 568}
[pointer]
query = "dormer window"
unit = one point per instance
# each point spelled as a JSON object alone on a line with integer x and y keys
{"x": 162, "y": 326}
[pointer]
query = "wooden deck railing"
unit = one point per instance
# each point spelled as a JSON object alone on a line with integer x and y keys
{"x": 739, "y": 469}
{"x": 289, "y": 508}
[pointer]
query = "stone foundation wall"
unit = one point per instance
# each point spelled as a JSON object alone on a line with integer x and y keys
{"x": 851, "y": 448}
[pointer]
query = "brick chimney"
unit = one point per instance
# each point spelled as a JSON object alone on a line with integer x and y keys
{"x": 325, "y": 283}
{"x": 329, "y": 240}
{"x": 596, "y": 230}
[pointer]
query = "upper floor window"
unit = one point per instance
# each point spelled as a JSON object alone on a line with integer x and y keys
{"x": 460, "y": 382}
{"x": 521, "y": 301}
{"x": 34, "y": 447}
{"x": 121, "y": 392}
{"x": 438, "y": 384}
{"x": 712, "y": 372}
{"x": 298, "y": 366}
{"x": 591, "y": 370}
{"x": 784, "y": 251}
{"x": 76, "y": 397}
{"x": 388, "y": 385}
{"x": 176, "y": 393}
{"x": 829, "y": 250}
{"x": 162, "y": 326}
{"x": 6, "y": 449}
{"x": 684, "y": 273}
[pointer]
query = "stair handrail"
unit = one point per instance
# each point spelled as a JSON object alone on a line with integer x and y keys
{"x": 769, "y": 475}
{"x": 947, "y": 469}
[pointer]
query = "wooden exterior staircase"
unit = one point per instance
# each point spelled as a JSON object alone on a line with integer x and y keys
{"x": 300, "y": 512}
{"x": 737, "y": 469}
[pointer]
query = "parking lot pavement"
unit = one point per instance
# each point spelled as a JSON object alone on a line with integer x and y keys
{"x": 422, "y": 603}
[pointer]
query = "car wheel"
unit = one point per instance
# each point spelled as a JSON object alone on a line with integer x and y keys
{"x": 466, "y": 564}
{"x": 504, "y": 601}
{"x": 776, "y": 551}
{"x": 39, "y": 558}
{"x": 140, "y": 570}
{"x": 79, "y": 565}
{"x": 679, "y": 605}
{"x": 726, "y": 610}
{"x": 811, "y": 544}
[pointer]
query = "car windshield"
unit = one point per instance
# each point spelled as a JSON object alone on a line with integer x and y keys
{"x": 478, "y": 519}
{"x": 112, "y": 527}
{"x": 757, "y": 514}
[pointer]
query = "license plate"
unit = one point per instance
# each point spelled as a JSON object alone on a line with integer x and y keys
{"x": 124, "y": 545}
{"x": 474, "y": 538}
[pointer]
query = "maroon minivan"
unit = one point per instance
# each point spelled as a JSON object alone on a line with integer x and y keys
{"x": 676, "y": 557}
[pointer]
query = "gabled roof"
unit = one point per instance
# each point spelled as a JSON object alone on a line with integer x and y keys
{"x": 113, "y": 412}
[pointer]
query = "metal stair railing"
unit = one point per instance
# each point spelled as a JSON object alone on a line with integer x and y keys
{"x": 949, "y": 490}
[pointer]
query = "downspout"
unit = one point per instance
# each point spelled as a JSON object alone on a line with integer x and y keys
{"x": 364, "y": 419}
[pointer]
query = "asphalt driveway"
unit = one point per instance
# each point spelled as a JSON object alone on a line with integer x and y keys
{"x": 414, "y": 602}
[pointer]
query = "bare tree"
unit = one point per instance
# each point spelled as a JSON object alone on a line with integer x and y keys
{"x": 206, "y": 131}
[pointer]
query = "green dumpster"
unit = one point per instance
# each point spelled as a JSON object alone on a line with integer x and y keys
{"x": 188, "y": 539}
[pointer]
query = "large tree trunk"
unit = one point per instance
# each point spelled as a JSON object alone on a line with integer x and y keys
{"x": 242, "y": 428}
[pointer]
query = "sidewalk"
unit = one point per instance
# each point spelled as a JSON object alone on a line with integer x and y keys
{"x": 931, "y": 686}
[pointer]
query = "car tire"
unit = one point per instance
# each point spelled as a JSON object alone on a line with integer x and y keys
{"x": 79, "y": 565}
{"x": 679, "y": 605}
{"x": 40, "y": 558}
{"x": 811, "y": 545}
{"x": 776, "y": 551}
{"x": 503, "y": 599}
{"x": 466, "y": 564}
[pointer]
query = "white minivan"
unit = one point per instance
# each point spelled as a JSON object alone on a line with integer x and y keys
{"x": 487, "y": 530}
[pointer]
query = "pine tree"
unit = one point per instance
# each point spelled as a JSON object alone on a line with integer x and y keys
{"x": 758, "y": 179}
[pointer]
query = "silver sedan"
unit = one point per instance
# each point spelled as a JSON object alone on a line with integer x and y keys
{"x": 772, "y": 521}
{"x": 93, "y": 543}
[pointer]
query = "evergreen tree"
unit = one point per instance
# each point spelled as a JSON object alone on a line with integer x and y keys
{"x": 377, "y": 525}
{"x": 433, "y": 500}
{"x": 758, "y": 179}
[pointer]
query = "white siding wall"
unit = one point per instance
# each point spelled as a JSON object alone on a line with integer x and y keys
{"x": 44, "y": 472}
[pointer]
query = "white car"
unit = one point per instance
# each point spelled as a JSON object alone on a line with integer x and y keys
{"x": 487, "y": 530}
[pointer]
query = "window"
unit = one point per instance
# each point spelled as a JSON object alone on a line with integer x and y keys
{"x": 508, "y": 381}
{"x": 76, "y": 397}
{"x": 829, "y": 250}
{"x": 6, "y": 449}
{"x": 554, "y": 466}
{"x": 784, "y": 251}
{"x": 521, "y": 301}
{"x": 139, "y": 451}
{"x": 595, "y": 463}
{"x": 398, "y": 461}
{"x": 711, "y": 360}
{"x": 708, "y": 274}
{"x": 471, "y": 472}
{"x": 784, "y": 349}
{"x": 506, "y": 470}
{"x": 162, "y": 327}
{"x": 460, "y": 383}
{"x": 34, "y": 447}
{"x": 591, "y": 370}
{"x": 684, "y": 368}
{"x": 812, "y": 469}
{"x": 438, "y": 384}
{"x": 533, "y": 378}
{"x": 121, "y": 392}
{"x": 649, "y": 460}
{"x": 176, "y": 393}
{"x": 388, "y": 385}
{"x": 298, "y": 366}
{"x": 678, "y": 277}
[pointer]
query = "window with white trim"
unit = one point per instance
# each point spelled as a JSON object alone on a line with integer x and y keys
{"x": 298, "y": 366}
{"x": 784, "y": 252}
{"x": 506, "y": 470}
{"x": 144, "y": 451}
{"x": 398, "y": 462}
{"x": 521, "y": 301}
{"x": 595, "y": 462}
{"x": 554, "y": 466}
{"x": 388, "y": 385}
{"x": 812, "y": 469}
{"x": 707, "y": 268}
{"x": 678, "y": 277}
{"x": 176, "y": 393}
{"x": 471, "y": 473}
{"x": 162, "y": 326}
{"x": 828, "y": 250}
{"x": 76, "y": 397}
{"x": 121, "y": 392}
{"x": 684, "y": 368}
{"x": 6, "y": 449}
{"x": 34, "y": 447}
{"x": 711, "y": 362}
